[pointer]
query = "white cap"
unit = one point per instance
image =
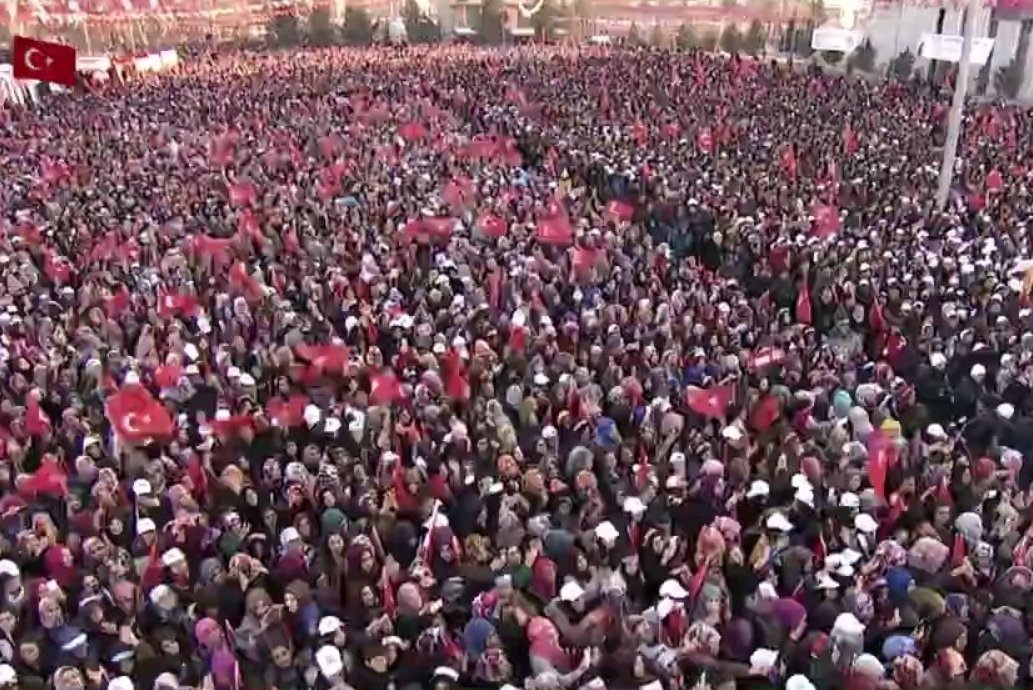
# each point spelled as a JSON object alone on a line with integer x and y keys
{"x": 120, "y": 683}
{"x": 192, "y": 370}
{"x": 799, "y": 682}
{"x": 763, "y": 659}
{"x": 131, "y": 378}
{"x": 288, "y": 535}
{"x": 849, "y": 500}
{"x": 977, "y": 371}
{"x": 446, "y": 672}
{"x": 329, "y": 661}
{"x": 805, "y": 495}
{"x": 866, "y": 523}
{"x": 800, "y": 481}
{"x": 7, "y": 674}
{"x": 850, "y": 556}
{"x": 166, "y": 681}
{"x": 541, "y": 379}
{"x": 247, "y": 380}
{"x": 233, "y": 373}
{"x": 766, "y": 590}
{"x": 938, "y": 360}
{"x": 9, "y": 568}
{"x": 571, "y": 591}
{"x": 672, "y": 589}
{"x": 847, "y": 624}
{"x": 1006, "y": 410}
{"x": 142, "y": 487}
{"x": 779, "y": 523}
{"x": 759, "y": 487}
{"x": 634, "y": 505}
{"x": 172, "y": 557}
{"x": 312, "y": 415}
{"x": 328, "y": 625}
{"x": 158, "y": 592}
{"x": 826, "y": 582}
{"x": 607, "y": 532}
{"x": 936, "y": 431}
{"x": 869, "y": 665}
{"x": 145, "y": 525}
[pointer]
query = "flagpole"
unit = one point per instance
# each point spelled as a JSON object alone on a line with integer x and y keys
{"x": 950, "y": 147}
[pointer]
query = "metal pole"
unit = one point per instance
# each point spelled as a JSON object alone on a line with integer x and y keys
{"x": 950, "y": 147}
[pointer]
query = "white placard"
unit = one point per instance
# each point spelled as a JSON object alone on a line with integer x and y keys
{"x": 835, "y": 40}
{"x": 947, "y": 48}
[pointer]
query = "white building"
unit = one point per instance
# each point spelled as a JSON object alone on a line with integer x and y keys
{"x": 892, "y": 30}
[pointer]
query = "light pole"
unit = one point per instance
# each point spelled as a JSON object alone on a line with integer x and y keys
{"x": 950, "y": 147}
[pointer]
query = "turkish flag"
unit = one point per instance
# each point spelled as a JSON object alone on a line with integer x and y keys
{"x": 412, "y": 131}
{"x": 177, "y": 305}
{"x": 878, "y": 463}
{"x": 492, "y": 226}
{"x": 803, "y": 305}
{"x": 765, "y": 357}
{"x": 287, "y": 413}
{"x": 826, "y": 220}
{"x": 232, "y": 426}
{"x": 621, "y": 210}
{"x": 242, "y": 281}
{"x": 765, "y": 413}
{"x": 437, "y": 229}
{"x": 709, "y": 402}
{"x": 137, "y": 416}
{"x": 457, "y": 387}
{"x": 117, "y": 303}
{"x": 850, "y": 144}
{"x": 243, "y": 194}
{"x": 49, "y": 479}
{"x": 555, "y": 228}
{"x": 324, "y": 358}
{"x": 167, "y": 376}
{"x": 43, "y": 61}
{"x": 788, "y": 160}
{"x": 705, "y": 140}
{"x": 37, "y": 423}
{"x": 994, "y": 181}
{"x": 385, "y": 389}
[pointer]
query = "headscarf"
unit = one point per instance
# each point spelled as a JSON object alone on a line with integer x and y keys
{"x": 996, "y": 669}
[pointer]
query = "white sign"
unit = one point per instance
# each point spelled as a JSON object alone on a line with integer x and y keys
{"x": 835, "y": 40}
{"x": 947, "y": 48}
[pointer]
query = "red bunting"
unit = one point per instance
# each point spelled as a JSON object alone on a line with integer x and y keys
{"x": 137, "y": 416}
{"x": 803, "y": 304}
{"x": 233, "y": 426}
{"x": 710, "y": 402}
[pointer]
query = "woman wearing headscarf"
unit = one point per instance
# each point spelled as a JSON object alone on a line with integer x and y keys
{"x": 995, "y": 670}
{"x": 547, "y": 656}
{"x": 486, "y": 659}
{"x": 216, "y": 654}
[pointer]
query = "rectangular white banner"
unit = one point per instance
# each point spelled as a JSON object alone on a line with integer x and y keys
{"x": 835, "y": 40}
{"x": 947, "y": 48}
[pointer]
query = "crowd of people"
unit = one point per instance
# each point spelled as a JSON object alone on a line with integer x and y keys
{"x": 540, "y": 368}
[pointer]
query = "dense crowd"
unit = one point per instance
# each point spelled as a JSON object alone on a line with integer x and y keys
{"x": 546, "y": 368}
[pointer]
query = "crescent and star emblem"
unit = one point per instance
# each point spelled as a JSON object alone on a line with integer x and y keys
{"x": 30, "y": 56}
